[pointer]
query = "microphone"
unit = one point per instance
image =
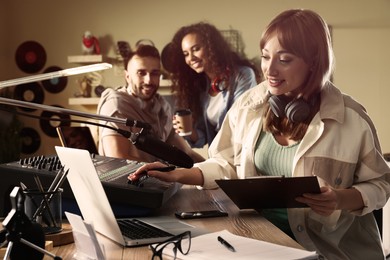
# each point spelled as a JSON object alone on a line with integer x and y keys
{"x": 33, "y": 233}
{"x": 143, "y": 141}
{"x": 161, "y": 150}
{"x": 151, "y": 145}
{"x": 19, "y": 227}
{"x": 139, "y": 124}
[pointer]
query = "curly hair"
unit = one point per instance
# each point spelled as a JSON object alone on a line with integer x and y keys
{"x": 188, "y": 84}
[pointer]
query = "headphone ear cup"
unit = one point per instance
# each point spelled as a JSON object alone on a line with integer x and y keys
{"x": 277, "y": 105}
{"x": 297, "y": 110}
{"x": 219, "y": 84}
{"x": 215, "y": 85}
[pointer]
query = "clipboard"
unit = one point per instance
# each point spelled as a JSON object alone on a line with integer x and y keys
{"x": 269, "y": 192}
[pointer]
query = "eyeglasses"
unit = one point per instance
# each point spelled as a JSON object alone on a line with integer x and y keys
{"x": 181, "y": 242}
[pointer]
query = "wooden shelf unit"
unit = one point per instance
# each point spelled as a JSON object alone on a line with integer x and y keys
{"x": 85, "y": 58}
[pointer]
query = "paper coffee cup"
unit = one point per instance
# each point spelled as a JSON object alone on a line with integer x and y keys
{"x": 184, "y": 119}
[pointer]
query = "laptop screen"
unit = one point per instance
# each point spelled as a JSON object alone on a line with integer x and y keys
{"x": 95, "y": 206}
{"x": 77, "y": 137}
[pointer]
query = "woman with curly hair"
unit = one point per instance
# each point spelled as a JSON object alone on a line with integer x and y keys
{"x": 208, "y": 76}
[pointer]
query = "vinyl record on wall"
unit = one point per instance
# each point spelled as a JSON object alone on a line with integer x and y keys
{"x": 29, "y": 92}
{"x": 30, "y": 57}
{"x": 166, "y": 58}
{"x": 54, "y": 85}
{"x": 31, "y": 141}
{"x": 49, "y": 122}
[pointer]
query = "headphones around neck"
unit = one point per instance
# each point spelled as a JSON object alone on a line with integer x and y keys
{"x": 296, "y": 110}
{"x": 217, "y": 84}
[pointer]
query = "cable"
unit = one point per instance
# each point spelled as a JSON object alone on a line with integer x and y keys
{"x": 143, "y": 140}
{"x": 125, "y": 133}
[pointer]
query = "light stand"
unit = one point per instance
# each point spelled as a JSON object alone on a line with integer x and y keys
{"x": 21, "y": 232}
{"x": 55, "y": 74}
{"x": 58, "y": 74}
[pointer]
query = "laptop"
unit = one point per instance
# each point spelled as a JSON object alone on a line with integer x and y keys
{"x": 95, "y": 207}
{"x": 113, "y": 173}
{"x": 77, "y": 137}
{"x": 269, "y": 191}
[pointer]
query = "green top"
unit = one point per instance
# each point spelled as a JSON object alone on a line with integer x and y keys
{"x": 273, "y": 159}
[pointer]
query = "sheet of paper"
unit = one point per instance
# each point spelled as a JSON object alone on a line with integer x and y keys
{"x": 87, "y": 244}
{"x": 208, "y": 247}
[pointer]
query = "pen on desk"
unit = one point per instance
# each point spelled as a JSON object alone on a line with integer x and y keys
{"x": 226, "y": 244}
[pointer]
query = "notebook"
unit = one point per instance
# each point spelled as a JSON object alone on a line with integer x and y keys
{"x": 95, "y": 207}
{"x": 269, "y": 192}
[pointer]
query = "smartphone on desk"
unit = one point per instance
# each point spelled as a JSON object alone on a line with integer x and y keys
{"x": 201, "y": 214}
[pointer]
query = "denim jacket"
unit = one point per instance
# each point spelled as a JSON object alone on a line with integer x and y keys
{"x": 340, "y": 147}
{"x": 243, "y": 79}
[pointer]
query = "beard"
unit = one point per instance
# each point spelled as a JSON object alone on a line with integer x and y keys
{"x": 145, "y": 91}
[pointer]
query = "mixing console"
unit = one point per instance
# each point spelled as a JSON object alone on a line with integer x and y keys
{"x": 126, "y": 199}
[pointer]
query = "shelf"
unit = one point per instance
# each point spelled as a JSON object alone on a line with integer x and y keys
{"x": 85, "y": 58}
{"x": 84, "y": 101}
{"x": 93, "y": 101}
{"x": 163, "y": 90}
{"x": 165, "y": 83}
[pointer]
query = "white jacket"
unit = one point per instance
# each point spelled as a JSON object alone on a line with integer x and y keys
{"x": 340, "y": 147}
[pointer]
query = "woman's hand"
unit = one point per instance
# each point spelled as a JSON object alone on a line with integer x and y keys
{"x": 330, "y": 200}
{"x": 147, "y": 168}
{"x": 324, "y": 203}
{"x": 177, "y": 125}
{"x": 192, "y": 176}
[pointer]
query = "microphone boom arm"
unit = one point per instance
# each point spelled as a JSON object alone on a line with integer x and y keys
{"x": 142, "y": 140}
{"x": 127, "y": 122}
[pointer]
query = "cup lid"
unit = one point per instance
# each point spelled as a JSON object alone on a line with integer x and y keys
{"x": 183, "y": 112}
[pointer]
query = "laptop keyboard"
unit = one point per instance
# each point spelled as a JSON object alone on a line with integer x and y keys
{"x": 136, "y": 229}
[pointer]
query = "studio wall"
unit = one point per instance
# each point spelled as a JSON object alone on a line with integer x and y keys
{"x": 360, "y": 37}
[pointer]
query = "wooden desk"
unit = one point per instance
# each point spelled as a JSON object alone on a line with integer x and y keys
{"x": 246, "y": 223}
